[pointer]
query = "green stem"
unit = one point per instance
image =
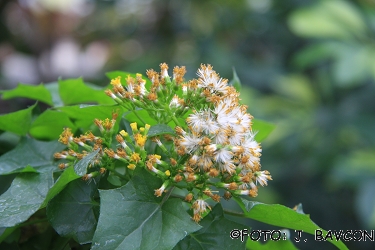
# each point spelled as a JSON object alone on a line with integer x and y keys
{"x": 132, "y": 109}
{"x": 165, "y": 198}
{"x": 175, "y": 121}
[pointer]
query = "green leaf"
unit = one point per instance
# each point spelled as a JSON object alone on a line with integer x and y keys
{"x": 81, "y": 167}
{"x": 77, "y": 196}
{"x": 73, "y": 91}
{"x": 65, "y": 178}
{"x": 24, "y": 197}
{"x": 160, "y": 129}
{"x": 314, "y": 54}
{"x": 139, "y": 220}
{"x": 39, "y": 93}
{"x": 262, "y": 128}
{"x": 50, "y": 124}
{"x": 17, "y": 122}
{"x": 83, "y": 116}
{"x": 270, "y": 245}
{"x": 28, "y": 169}
{"x": 30, "y": 152}
{"x": 53, "y": 88}
{"x": 235, "y": 82}
{"x": 114, "y": 180}
{"x": 328, "y": 19}
{"x": 282, "y": 216}
{"x": 215, "y": 233}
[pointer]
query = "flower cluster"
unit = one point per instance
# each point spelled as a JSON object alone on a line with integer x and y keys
{"x": 219, "y": 142}
{"x": 213, "y": 146}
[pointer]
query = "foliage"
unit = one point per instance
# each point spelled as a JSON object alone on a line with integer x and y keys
{"x": 110, "y": 199}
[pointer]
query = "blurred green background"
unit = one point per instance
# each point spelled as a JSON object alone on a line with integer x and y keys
{"x": 307, "y": 66}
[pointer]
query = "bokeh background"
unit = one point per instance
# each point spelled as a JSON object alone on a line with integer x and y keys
{"x": 307, "y": 66}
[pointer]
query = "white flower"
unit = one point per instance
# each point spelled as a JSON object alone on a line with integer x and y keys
{"x": 130, "y": 88}
{"x": 244, "y": 186}
{"x": 191, "y": 142}
{"x": 205, "y": 162}
{"x": 210, "y": 149}
{"x": 143, "y": 89}
{"x": 200, "y": 206}
{"x": 193, "y": 160}
{"x": 164, "y": 70}
{"x": 223, "y": 155}
{"x": 262, "y": 177}
{"x": 225, "y": 116}
{"x": 160, "y": 191}
{"x": 251, "y": 146}
{"x": 221, "y": 136}
{"x": 210, "y": 79}
{"x": 228, "y": 167}
{"x": 184, "y": 89}
{"x": 244, "y": 119}
{"x": 175, "y": 102}
{"x": 203, "y": 121}
{"x": 235, "y": 138}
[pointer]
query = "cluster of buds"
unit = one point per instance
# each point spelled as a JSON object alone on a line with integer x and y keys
{"x": 213, "y": 147}
{"x": 130, "y": 152}
{"x": 79, "y": 147}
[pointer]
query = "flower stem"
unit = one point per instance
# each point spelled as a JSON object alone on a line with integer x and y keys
{"x": 175, "y": 121}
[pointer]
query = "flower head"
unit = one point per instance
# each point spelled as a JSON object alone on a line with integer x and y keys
{"x": 199, "y": 207}
{"x": 66, "y": 136}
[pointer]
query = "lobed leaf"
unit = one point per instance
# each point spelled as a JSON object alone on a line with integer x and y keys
{"x": 53, "y": 88}
{"x": 17, "y": 122}
{"x": 65, "y": 178}
{"x": 139, "y": 220}
{"x": 73, "y": 91}
{"x": 30, "y": 152}
{"x": 39, "y": 93}
{"x": 215, "y": 233}
{"x": 71, "y": 212}
{"x": 50, "y": 124}
{"x": 83, "y": 116}
{"x": 24, "y": 197}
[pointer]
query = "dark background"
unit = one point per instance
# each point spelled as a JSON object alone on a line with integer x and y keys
{"x": 306, "y": 66}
